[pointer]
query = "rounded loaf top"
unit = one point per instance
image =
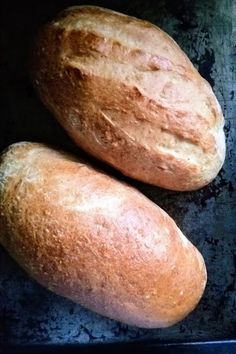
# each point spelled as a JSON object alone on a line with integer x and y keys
{"x": 126, "y": 93}
{"x": 95, "y": 240}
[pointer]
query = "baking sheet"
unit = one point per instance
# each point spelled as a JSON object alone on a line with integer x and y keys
{"x": 206, "y": 30}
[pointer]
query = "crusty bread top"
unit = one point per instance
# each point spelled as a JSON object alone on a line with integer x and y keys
{"x": 123, "y": 87}
{"x": 95, "y": 240}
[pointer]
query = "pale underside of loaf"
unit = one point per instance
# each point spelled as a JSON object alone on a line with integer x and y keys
{"x": 131, "y": 97}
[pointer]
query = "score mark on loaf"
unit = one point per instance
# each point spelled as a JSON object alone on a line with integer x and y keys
{"x": 127, "y": 94}
{"x": 95, "y": 240}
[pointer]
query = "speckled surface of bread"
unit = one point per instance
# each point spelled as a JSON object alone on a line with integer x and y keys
{"x": 126, "y": 93}
{"x": 95, "y": 240}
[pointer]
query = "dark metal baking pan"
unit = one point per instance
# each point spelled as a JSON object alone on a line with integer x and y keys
{"x": 31, "y": 315}
{"x": 144, "y": 347}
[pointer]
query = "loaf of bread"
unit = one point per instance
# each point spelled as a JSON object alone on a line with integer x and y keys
{"x": 97, "y": 241}
{"x": 127, "y": 94}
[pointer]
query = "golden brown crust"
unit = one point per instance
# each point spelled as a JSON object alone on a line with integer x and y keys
{"x": 95, "y": 240}
{"x": 126, "y": 93}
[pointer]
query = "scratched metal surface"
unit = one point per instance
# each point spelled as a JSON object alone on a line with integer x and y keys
{"x": 206, "y": 30}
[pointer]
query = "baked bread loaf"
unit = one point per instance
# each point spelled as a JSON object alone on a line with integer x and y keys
{"x": 127, "y": 94}
{"x": 95, "y": 240}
